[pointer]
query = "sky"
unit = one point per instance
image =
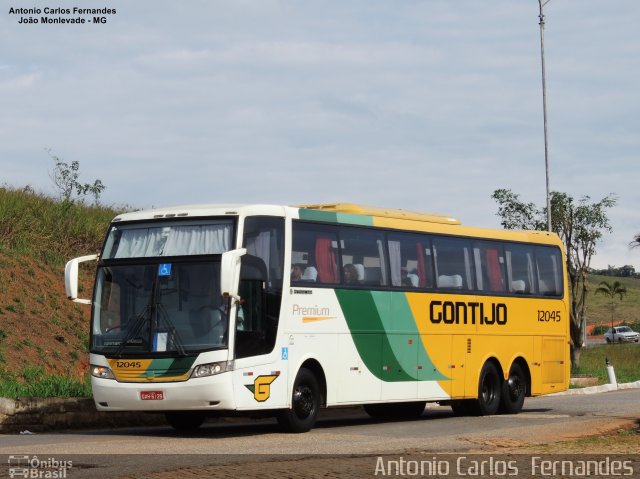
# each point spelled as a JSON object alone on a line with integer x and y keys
{"x": 426, "y": 105}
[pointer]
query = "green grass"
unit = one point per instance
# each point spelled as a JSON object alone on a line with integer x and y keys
{"x": 625, "y": 359}
{"x": 34, "y": 382}
{"x": 36, "y": 225}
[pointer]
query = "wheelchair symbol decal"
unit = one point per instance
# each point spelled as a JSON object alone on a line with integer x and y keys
{"x": 164, "y": 269}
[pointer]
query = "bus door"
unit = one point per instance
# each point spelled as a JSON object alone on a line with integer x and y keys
{"x": 260, "y": 380}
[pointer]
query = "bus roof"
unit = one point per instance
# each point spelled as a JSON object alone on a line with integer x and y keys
{"x": 199, "y": 210}
{"x": 413, "y": 221}
{"x": 383, "y": 212}
{"x": 347, "y": 213}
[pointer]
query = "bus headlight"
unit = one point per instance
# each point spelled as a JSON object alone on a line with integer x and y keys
{"x": 101, "y": 372}
{"x": 209, "y": 369}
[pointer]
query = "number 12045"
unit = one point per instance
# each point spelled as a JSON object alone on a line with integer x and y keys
{"x": 548, "y": 316}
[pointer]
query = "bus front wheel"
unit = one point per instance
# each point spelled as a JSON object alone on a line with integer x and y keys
{"x": 489, "y": 390}
{"x": 305, "y": 403}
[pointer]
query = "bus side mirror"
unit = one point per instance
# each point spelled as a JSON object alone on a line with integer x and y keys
{"x": 71, "y": 278}
{"x": 230, "y": 272}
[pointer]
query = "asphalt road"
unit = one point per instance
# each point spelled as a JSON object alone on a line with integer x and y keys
{"x": 141, "y": 452}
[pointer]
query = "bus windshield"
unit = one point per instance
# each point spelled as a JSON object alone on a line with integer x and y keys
{"x": 159, "y": 307}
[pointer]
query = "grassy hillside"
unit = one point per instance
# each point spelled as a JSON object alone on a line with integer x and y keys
{"x": 599, "y": 306}
{"x": 43, "y": 336}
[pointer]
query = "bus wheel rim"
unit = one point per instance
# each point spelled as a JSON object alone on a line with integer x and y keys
{"x": 303, "y": 403}
{"x": 488, "y": 390}
{"x": 515, "y": 387}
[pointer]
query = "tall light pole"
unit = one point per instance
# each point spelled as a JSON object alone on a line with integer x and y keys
{"x": 544, "y": 111}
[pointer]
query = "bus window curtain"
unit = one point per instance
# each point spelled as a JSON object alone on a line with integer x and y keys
{"x": 395, "y": 263}
{"x": 496, "y": 281}
{"x": 326, "y": 260}
{"x": 383, "y": 263}
{"x": 422, "y": 267}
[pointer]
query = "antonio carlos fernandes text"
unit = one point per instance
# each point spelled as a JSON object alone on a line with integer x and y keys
{"x": 483, "y": 466}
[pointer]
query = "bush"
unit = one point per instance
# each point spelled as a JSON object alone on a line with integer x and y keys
{"x": 35, "y": 382}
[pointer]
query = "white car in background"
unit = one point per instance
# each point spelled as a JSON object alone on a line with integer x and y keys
{"x": 621, "y": 334}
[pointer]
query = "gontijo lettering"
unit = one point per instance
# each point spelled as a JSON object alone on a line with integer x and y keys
{"x": 460, "y": 312}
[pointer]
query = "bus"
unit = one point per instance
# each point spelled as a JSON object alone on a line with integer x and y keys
{"x": 282, "y": 311}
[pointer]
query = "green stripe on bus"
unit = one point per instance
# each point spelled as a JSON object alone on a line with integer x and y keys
{"x": 375, "y": 347}
{"x": 333, "y": 217}
{"x": 400, "y": 325}
{"x": 168, "y": 367}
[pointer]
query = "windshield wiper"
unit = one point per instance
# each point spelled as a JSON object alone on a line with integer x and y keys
{"x": 164, "y": 320}
{"x": 136, "y": 329}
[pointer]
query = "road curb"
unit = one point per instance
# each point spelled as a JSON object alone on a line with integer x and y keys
{"x": 45, "y": 414}
{"x": 603, "y": 388}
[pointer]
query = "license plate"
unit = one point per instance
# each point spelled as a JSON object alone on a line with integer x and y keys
{"x": 152, "y": 395}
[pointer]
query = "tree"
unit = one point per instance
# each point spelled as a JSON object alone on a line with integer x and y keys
{"x": 580, "y": 225}
{"x": 65, "y": 178}
{"x": 612, "y": 290}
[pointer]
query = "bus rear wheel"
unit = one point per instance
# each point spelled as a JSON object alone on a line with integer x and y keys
{"x": 305, "y": 403}
{"x": 185, "y": 421}
{"x": 514, "y": 390}
{"x": 489, "y": 390}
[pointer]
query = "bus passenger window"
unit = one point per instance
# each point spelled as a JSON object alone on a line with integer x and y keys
{"x": 548, "y": 261}
{"x": 314, "y": 249}
{"x": 410, "y": 260}
{"x": 490, "y": 267}
{"x": 453, "y": 263}
{"x": 519, "y": 259}
{"x": 362, "y": 254}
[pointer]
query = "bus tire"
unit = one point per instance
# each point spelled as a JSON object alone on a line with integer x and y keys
{"x": 489, "y": 390}
{"x": 514, "y": 390}
{"x": 305, "y": 404}
{"x": 185, "y": 421}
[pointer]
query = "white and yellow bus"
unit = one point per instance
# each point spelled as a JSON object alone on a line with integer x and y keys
{"x": 281, "y": 311}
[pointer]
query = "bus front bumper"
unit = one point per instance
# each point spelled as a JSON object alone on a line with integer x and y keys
{"x": 213, "y": 393}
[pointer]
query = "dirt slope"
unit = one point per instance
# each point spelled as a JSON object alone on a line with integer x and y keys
{"x": 38, "y": 325}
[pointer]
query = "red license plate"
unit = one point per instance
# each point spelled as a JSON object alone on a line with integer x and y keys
{"x": 152, "y": 395}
